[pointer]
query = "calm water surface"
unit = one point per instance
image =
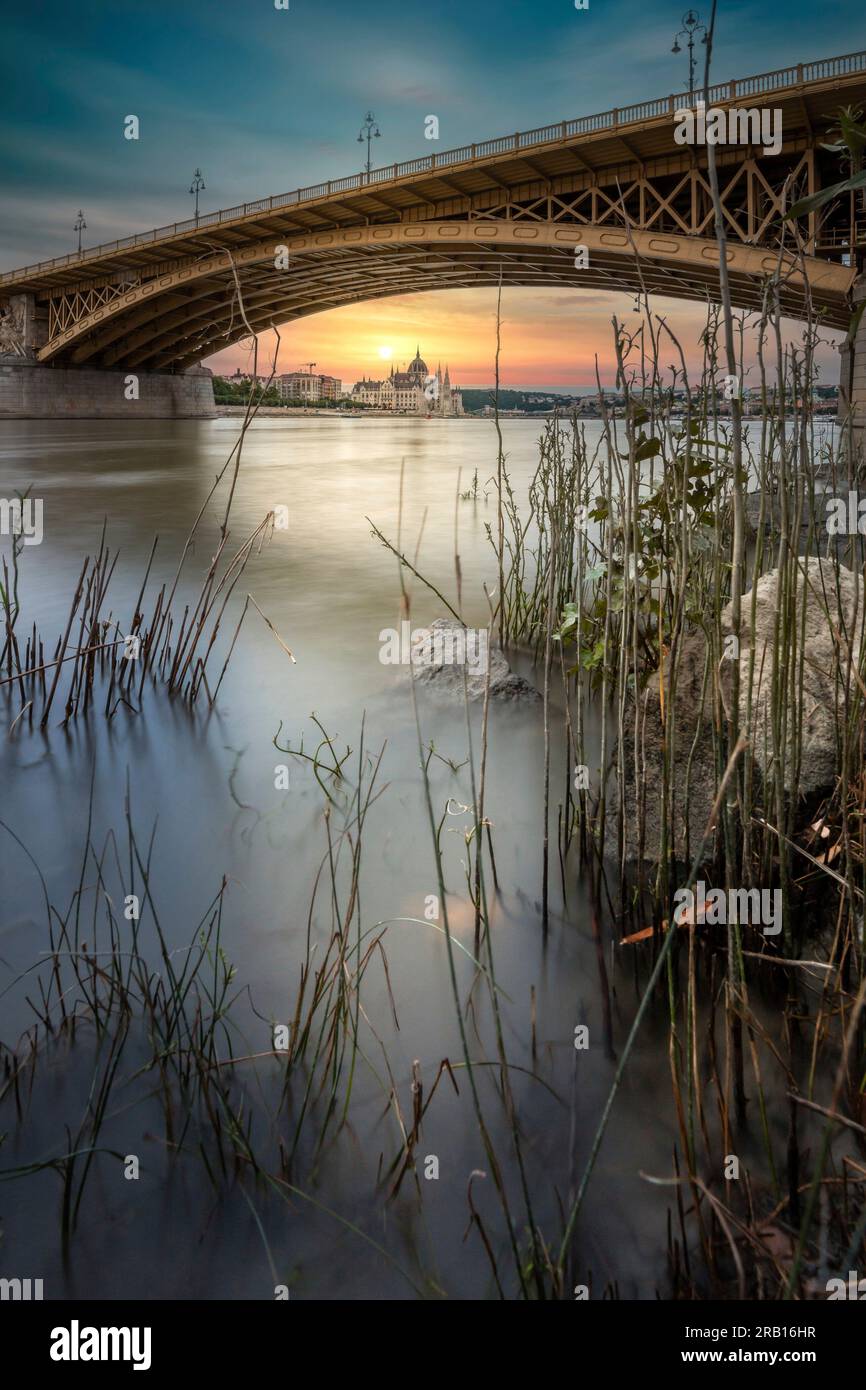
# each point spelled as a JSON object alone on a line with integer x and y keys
{"x": 206, "y": 785}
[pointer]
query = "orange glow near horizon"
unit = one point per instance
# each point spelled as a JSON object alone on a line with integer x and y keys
{"x": 549, "y": 337}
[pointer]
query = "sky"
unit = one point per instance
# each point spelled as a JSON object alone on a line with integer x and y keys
{"x": 265, "y": 100}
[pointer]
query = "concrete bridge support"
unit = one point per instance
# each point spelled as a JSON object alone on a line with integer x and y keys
{"x": 29, "y": 391}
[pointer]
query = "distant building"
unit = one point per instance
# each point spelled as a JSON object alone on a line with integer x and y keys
{"x": 239, "y": 378}
{"x": 308, "y": 387}
{"x": 417, "y": 391}
{"x": 366, "y": 391}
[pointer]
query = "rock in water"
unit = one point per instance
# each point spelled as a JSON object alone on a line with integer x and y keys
{"x": 441, "y": 651}
{"x": 825, "y": 614}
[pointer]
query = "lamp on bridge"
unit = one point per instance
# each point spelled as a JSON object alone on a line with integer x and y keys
{"x": 369, "y": 131}
{"x": 691, "y": 25}
{"x": 196, "y": 187}
{"x": 80, "y": 226}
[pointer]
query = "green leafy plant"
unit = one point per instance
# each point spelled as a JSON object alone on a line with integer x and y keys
{"x": 849, "y": 145}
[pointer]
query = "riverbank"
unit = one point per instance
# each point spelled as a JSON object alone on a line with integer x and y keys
{"x": 586, "y": 416}
{"x": 239, "y": 411}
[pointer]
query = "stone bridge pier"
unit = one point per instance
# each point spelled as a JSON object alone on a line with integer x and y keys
{"x": 30, "y": 320}
{"x": 31, "y": 390}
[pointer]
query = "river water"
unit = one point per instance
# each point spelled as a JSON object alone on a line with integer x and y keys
{"x": 205, "y": 785}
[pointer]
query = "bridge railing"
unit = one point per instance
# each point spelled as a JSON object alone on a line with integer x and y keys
{"x": 755, "y": 85}
{"x": 538, "y": 137}
{"x": 765, "y": 82}
{"x": 832, "y": 67}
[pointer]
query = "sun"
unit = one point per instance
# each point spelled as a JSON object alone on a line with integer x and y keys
{"x": 386, "y": 353}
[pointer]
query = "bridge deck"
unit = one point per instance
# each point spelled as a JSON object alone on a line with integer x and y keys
{"x": 621, "y": 137}
{"x": 513, "y": 209}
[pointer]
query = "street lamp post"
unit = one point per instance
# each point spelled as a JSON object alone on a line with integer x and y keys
{"x": 80, "y": 226}
{"x": 195, "y": 188}
{"x": 691, "y": 26}
{"x": 369, "y": 131}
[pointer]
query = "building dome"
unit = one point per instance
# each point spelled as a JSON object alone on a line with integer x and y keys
{"x": 418, "y": 367}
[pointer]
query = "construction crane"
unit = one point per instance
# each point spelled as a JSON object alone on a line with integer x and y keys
{"x": 308, "y": 367}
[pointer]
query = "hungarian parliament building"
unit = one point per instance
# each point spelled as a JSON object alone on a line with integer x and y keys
{"x": 417, "y": 391}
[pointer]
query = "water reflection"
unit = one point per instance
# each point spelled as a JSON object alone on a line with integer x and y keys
{"x": 204, "y": 784}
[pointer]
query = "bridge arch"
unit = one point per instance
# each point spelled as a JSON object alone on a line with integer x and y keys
{"x": 192, "y": 309}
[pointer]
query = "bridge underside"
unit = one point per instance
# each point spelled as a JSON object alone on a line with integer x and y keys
{"x": 173, "y": 320}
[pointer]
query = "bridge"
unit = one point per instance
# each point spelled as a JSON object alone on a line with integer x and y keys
{"x": 616, "y": 183}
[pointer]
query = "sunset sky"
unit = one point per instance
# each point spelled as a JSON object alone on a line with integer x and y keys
{"x": 264, "y": 101}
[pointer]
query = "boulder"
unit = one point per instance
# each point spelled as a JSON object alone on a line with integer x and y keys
{"x": 832, "y": 598}
{"x": 814, "y": 521}
{"x": 440, "y": 653}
